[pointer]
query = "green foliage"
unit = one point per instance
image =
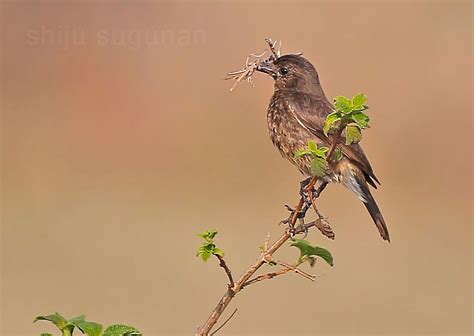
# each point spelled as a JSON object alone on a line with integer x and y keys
{"x": 309, "y": 252}
{"x": 208, "y": 247}
{"x": 317, "y": 153}
{"x": 348, "y": 114}
{"x": 121, "y": 330}
{"x": 57, "y": 319}
{"x": 353, "y": 134}
{"x": 88, "y": 328}
{"x": 319, "y": 167}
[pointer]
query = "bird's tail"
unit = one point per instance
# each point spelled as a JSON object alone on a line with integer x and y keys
{"x": 354, "y": 179}
{"x": 375, "y": 213}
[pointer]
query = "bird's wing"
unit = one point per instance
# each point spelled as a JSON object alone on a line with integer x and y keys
{"x": 310, "y": 111}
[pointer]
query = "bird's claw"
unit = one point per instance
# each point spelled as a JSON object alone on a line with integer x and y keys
{"x": 304, "y": 228}
{"x": 299, "y": 216}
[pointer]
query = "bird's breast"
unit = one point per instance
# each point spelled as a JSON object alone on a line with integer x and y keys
{"x": 288, "y": 135}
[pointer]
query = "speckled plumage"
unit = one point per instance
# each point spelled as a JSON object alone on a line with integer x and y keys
{"x": 296, "y": 114}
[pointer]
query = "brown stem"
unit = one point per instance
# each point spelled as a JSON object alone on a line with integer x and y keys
{"x": 266, "y": 255}
{"x": 225, "y": 322}
{"x": 267, "y": 276}
{"x": 335, "y": 142}
{"x": 223, "y": 264}
{"x": 205, "y": 329}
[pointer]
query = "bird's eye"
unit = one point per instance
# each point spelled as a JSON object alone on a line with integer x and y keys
{"x": 283, "y": 71}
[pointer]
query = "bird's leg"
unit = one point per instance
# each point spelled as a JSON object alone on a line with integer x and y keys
{"x": 303, "y": 185}
{"x": 309, "y": 195}
{"x": 317, "y": 192}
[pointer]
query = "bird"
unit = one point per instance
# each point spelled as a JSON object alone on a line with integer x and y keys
{"x": 296, "y": 114}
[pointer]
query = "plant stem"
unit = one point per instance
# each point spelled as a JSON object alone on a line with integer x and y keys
{"x": 205, "y": 329}
{"x": 265, "y": 256}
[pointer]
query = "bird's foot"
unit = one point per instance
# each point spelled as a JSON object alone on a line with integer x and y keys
{"x": 309, "y": 195}
{"x": 296, "y": 216}
{"x": 304, "y": 192}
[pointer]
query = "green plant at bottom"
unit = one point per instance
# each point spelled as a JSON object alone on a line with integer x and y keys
{"x": 88, "y": 328}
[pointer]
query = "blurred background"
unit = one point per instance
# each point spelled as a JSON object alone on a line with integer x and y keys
{"x": 121, "y": 142}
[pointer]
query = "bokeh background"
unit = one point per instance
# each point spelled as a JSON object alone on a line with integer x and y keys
{"x": 121, "y": 142}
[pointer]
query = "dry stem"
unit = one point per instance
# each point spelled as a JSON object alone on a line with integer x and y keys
{"x": 223, "y": 264}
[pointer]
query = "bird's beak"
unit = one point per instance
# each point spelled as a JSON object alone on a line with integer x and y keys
{"x": 267, "y": 68}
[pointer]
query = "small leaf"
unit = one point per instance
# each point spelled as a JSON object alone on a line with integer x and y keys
{"x": 307, "y": 250}
{"x": 319, "y": 167}
{"x": 353, "y": 135}
{"x": 343, "y": 104}
{"x": 361, "y": 119}
{"x": 312, "y": 145}
{"x": 218, "y": 251}
{"x": 205, "y": 251}
{"x": 90, "y": 328}
{"x": 302, "y": 152}
{"x": 121, "y": 330}
{"x": 208, "y": 235}
{"x": 55, "y": 318}
{"x": 321, "y": 152}
{"x": 330, "y": 121}
{"x": 77, "y": 319}
{"x": 359, "y": 100}
{"x": 46, "y": 334}
{"x": 205, "y": 255}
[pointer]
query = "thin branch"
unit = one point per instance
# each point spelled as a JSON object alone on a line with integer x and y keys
{"x": 296, "y": 270}
{"x": 239, "y": 284}
{"x": 223, "y": 264}
{"x": 225, "y": 322}
{"x": 335, "y": 142}
{"x": 266, "y": 276}
{"x": 272, "y": 45}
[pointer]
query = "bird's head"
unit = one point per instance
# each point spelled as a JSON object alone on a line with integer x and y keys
{"x": 292, "y": 72}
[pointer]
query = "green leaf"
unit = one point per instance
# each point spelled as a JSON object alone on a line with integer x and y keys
{"x": 307, "y": 251}
{"x": 46, "y": 334}
{"x": 359, "y": 100}
{"x": 208, "y": 235}
{"x": 330, "y": 121}
{"x": 218, "y": 251}
{"x": 90, "y": 328}
{"x": 302, "y": 152}
{"x": 361, "y": 119}
{"x": 56, "y": 318}
{"x": 320, "y": 152}
{"x": 353, "y": 134}
{"x": 312, "y": 145}
{"x": 343, "y": 104}
{"x": 77, "y": 319}
{"x": 319, "y": 167}
{"x": 205, "y": 251}
{"x": 205, "y": 255}
{"x": 121, "y": 330}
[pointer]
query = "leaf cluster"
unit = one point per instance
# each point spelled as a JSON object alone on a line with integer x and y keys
{"x": 208, "y": 247}
{"x": 348, "y": 114}
{"x": 319, "y": 166}
{"x": 88, "y": 328}
{"x": 309, "y": 252}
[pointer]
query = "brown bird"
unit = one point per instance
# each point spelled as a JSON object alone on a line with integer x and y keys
{"x": 296, "y": 114}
